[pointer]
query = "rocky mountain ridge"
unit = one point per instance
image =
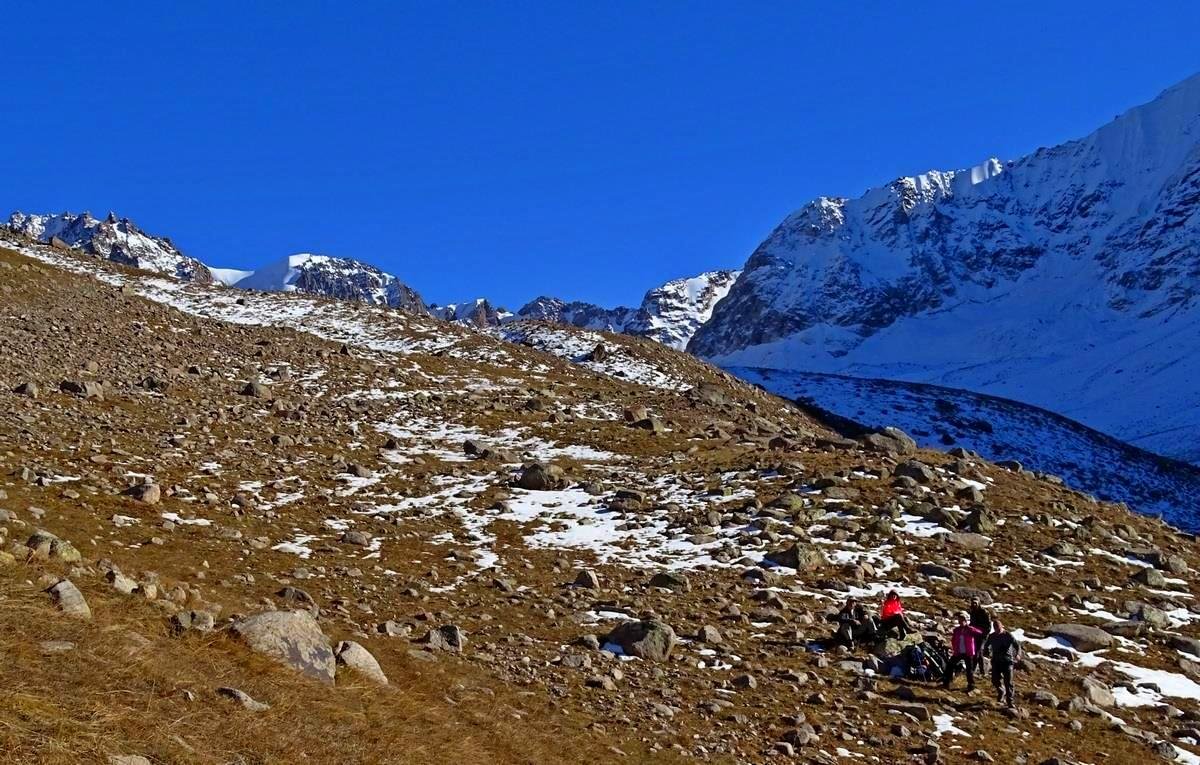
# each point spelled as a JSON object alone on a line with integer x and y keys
{"x": 669, "y": 314}
{"x": 1068, "y": 279}
{"x": 115, "y": 239}
{"x": 337, "y": 278}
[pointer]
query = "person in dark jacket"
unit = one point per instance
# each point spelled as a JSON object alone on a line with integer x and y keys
{"x": 1005, "y": 651}
{"x": 982, "y": 621}
{"x": 854, "y": 623}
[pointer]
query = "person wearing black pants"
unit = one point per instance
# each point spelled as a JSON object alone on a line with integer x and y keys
{"x": 1005, "y": 652}
{"x": 964, "y": 644}
{"x": 982, "y": 621}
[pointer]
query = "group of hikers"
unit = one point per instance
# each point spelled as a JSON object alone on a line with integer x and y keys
{"x": 976, "y": 635}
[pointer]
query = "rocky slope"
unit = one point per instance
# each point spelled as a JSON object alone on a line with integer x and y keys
{"x": 625, "y": 545}
{"x": 118, "y": 240}
{"x": 1003, "y": 430}
{"x": 1067, "y": 279}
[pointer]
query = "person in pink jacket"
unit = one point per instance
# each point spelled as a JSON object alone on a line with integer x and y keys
{"x": 965, "y": 643}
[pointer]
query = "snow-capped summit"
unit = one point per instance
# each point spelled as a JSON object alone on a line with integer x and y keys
{"x": 672, "y": 313}
{"x": 477, "y": 313}
{"x": 577, "y": 313}
{"x": 669, "y": 314}
{"x": 339, "y": 278}
{"x": 1068, "y": 279}
{"x": 115, "y": 239}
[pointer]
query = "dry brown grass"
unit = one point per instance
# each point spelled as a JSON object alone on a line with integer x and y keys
{"x": 116, "y": 693}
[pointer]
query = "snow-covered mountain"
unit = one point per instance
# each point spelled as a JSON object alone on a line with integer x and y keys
{"x": 577, "y": 313}
{"x": 1068, "y": 279}
{"x": 338, "y": 278}
{"x": 115, "y": 239}
{"x": 669, "y": 314}
{"x": 672, "y": 313}
{"x": 476, "y": 313}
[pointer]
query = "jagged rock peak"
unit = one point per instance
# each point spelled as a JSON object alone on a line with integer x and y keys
{"x": 334, "y": 277}
{"x": 116, "y": 239}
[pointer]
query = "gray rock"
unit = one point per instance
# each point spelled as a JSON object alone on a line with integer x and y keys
{"x": 257, "y": 390}
{"x": 1082, "y": 637}
{"x": 968, "y": 540}
{"x": 45, "y": 545}
{"x": 358, "y": 538}
{"x": 292, "y": 638}
{"x": 146, "y": 493}
{"x": 1097, "y": 692}
{"x": 1186, "y": 644}
{"x": 648, "y": 639}
{"x": 891, "y": 441}
{"x": 671, "y": 581}
{"x": 1150, "y": 577}
{"x": 83, "y": 389}
{"x": 446, "y": 638}
{"x": 918, "y": 471}
{"x": 192, "y": 621}
{"x": 541, "y": 477}
{"x": 358, "y": 659}
{"x": 70, "y": 600}
{"x": 917, "y": 711}
{"x": 243, "y": 698}
{"x": 938, "y": 570}
{"x": 29, "y": 389}
{"x": 801, "y": 558}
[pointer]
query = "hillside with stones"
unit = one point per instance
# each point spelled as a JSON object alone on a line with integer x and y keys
{"x": 1004, "y": 430}
{"x": 229, "y": 517}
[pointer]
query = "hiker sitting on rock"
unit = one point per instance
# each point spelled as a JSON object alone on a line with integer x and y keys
{"x": 854, "y": 623}
{"x": 891, "y": 616}
{"x": 1005, "y": 651}
{"x": 964, "y": 643}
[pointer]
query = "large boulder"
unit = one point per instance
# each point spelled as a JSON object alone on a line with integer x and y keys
{"x": 1150, "y": 577}
{"x": 1186, "y": 644}
{"x": 891, "y": 648}
{"x": 918, "y": 471}
{"x": 358, "y": 659}
{"x": 801, "y": 558}
{"x": 1097, "y": 692}
{"x": 448, "y": 637}
{"x": 70, "y": 600}
{"x": 933, "y": 570}
{"x": 540, "y": 477}
{"x": 80, "y": 388}
{"x": 146, "y": 493}
{"x": 1082, "y": 637}
{"x": 891, "y": 441}
{"x": 648, "y": 639}
{"x": 980, "y": 521}
{"x": 43, "y": 544}
{"x": 968, "y": 540}
{"x": 292, "y": 638}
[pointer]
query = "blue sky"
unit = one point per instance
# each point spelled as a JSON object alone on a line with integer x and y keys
{"x": 509, "y": 149}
